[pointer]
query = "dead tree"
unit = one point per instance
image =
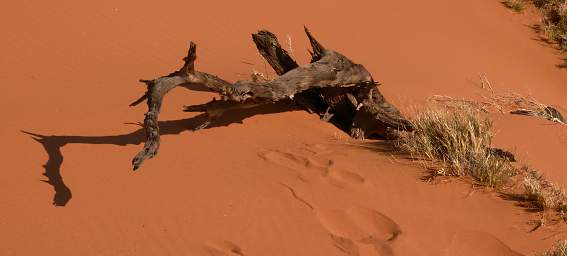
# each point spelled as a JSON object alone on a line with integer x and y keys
{"x": 331, "y": 85}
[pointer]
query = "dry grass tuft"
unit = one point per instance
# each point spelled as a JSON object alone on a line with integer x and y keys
{"x": 542, "y": 194}
{"x": 516, "y": 5}
{"x": 452, "y": 103}
{"x": 559, "y": 249}
{"x": 522, "y": 105}
{"x": 458, "y": 140}
{"x": 554, "y": 22}
{"x": 505, "y": 103}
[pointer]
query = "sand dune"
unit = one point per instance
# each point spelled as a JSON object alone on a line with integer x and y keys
{"x": 263, "y": 181}
{"x": 360, "y": 225}
{"x": 467, "y": 242}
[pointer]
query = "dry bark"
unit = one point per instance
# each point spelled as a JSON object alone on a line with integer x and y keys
{"x": 331, "y": 85}
{"x": 361, "y": 110}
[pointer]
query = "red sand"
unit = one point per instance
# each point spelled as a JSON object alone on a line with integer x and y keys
{"x": 280, "y": 183}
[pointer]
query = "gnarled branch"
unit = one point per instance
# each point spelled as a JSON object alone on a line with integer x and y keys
{"x": 331, "y": 82}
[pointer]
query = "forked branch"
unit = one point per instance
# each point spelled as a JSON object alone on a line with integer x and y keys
{"x": 331, "y": 82}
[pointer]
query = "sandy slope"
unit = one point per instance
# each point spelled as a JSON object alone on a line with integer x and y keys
{"x": 262, "y": 182}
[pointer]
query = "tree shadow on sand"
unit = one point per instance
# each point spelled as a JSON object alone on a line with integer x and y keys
{"x": 53, "y": 143}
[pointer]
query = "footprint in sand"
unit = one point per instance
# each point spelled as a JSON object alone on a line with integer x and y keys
{"x": 309, "y": 169}
{"x": 285, "y": 159}
{"x": 342, "y": 178}
{"x": 476, "y": 243}
{"x": 318, "y": 149}
{"x": 223, "y": 248}
{"x": 357, "y": 226}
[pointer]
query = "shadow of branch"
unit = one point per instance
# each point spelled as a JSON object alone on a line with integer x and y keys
{"x": 52, "y": 144}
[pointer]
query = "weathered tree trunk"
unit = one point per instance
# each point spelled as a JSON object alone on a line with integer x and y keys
{"x": 331, "y": 86}
{"x": 360, "y": 110}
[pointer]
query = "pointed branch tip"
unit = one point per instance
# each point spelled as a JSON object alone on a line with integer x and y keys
{"x": 140, "y": 100}
{"x": 147, "y": 82}
{"x": 189, "y": 65}
{"x": 318, "y": 49}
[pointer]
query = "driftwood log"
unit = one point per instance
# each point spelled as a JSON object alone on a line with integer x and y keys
{"x": 331, "y": 86}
